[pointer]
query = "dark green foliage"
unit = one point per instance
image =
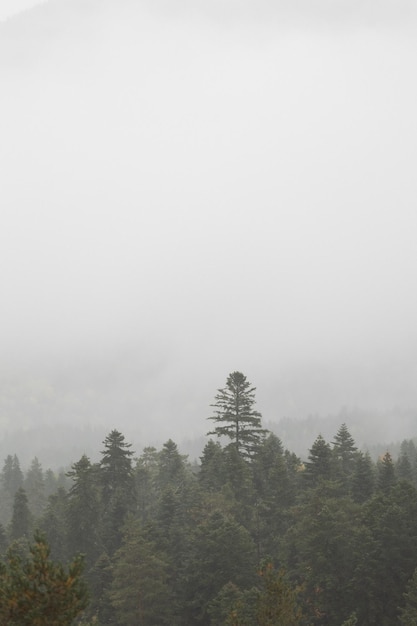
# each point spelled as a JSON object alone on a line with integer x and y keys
{"x": 322, "y": 546}
{"x": 50, "y": 483}
{"x": 168, "y": 544}
{"x": 408, "y": 613}
{"x": 212, "y": 475}
{"x": 145, "y": 475}
{"x": 274, "y": 601}
{"x": 3, "y": 541}
{"x": 140, "y": 593}
{"x": 229, "y": 601}
{"x": 388, "y": 554}
{"x": 12, "y": 475}
{"x": 344, "y": 457}
{"x": 363, "y": 478}
{"x": 386, "y": 473}
{"x": 319, "y": 464}
{"x": 235, "y": 416}
{"x": 21, "y": 524}
{"x": 35, "y": 488}
{"x": 171, "y": 465}
{"x": 222, "y": 551}
{"x": 35, "y": 591}
{"x": 83, "y": 511}
{"x": 11, "y": 481}
{"x": 278, "y": 603}
{"x": 100, "y": 578}
{"x": 274, "y": 494}
{"x": 405, "y": 467}
{"x": 116, "y": 466}
{"x": 118, "y": 496}
{"x": 54, "y": 525}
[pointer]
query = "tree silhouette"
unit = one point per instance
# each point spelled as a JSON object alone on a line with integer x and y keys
{"x": 235, "y": 416}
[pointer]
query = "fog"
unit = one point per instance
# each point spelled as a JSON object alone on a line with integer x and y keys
{"x": 193, "y": 188}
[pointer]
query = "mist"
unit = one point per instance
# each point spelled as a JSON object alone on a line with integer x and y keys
{"x": 189, "y": 189}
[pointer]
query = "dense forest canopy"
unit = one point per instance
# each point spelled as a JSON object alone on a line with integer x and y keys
{"x": 236, "y": 539}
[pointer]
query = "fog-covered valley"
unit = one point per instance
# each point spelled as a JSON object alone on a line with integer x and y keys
{"x": 193, "y": 188}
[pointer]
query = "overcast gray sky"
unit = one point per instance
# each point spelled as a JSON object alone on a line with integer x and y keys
{"x": 200, "y": 187}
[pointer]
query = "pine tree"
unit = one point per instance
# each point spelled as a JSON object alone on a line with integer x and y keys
{"x": 212, "y": 475}
{"x": 83, "y": 511}
{"x": 11, "y": 476}
{"x": 35, "y": 488}
{"x": 363, "y": 478}
{"x": 386, "y": 473}
{"x": 319, "y": 464}
{"x": 139, "y": 591}
{"x": 235, "y": 416}
{"x": 344, "y": 455}
{"x": 408, "y": 613}
{"x": 53, "y": 524}
{"x": 117, "y": 488}
{"x": 35, "y": 591}
{"x": 21, "y": 524}
{"x": 222, "y": 551}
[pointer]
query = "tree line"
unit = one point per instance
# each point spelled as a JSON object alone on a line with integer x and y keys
{"x": 250, "y": 535}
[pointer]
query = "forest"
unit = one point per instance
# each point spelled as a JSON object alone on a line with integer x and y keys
{"x": 251, "y": 535}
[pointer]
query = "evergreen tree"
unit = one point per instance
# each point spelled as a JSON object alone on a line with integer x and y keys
{"x": 319, "y": 464}
{"x": 408, "y": 612}
{"x": 83, "y": 511}
{"x": 344, "y": 455}
{"x": 322, "y": 548}
{"x": 140, "y": 593}
{"x": 12, "y": 475}
{"x": 403, "y": 468}
{"x": 100, "y": 580}
{"x": 53, "y": 523}
{"x": 363, "y": 478}
{"x": 239, "y": 487}
{"x": 235, "y": 416}
{"x": 3, "y": 541}
{"x": 117, "y": 488}
{"x": 222, "y": 551}
{"x": 387, "y": 556}
{"x": 35, "y": 488}
{"x": 278, "y": 603}
{"x": 171, "y": 465}
{"x": 50, "y": 483}
{"x": 145, "y": 474}
{"x": 35, "y": 591}
{"x": 11, "y": 479}
{"x": 212, "y": 475}
{"x": 21, "y": 524}
{"x": 274, "y": 494}
{"x": 386, "y": 473}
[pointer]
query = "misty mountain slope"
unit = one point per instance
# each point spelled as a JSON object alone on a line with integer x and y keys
{"x": 194, "y": 188}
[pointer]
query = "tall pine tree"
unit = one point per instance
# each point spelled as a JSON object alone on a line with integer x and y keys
{"x": 235, "y": 416}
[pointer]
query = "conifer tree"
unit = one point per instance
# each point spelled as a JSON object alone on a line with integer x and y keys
{"x": 363, "y": 478}
{"x": 408, "y": 613}
{"x": 83, "y": 511}
{"x": 139, "y": 592}
{"x": 235, "y": 416}
{"x": 21, "y": 524}
{"x": 35, "y": 488}
{"x": 117, "y": 488}
{"x": 386, "y": 473}
{"x": 12, "y": 475}
{"x": 319, "y": 465}
{"x": 35, "y": 591}
{"x": 344, "y": 454}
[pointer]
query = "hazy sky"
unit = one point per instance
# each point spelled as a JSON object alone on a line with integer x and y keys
{"x": 10, "y": 8}
{"x": 199, "y": 187}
